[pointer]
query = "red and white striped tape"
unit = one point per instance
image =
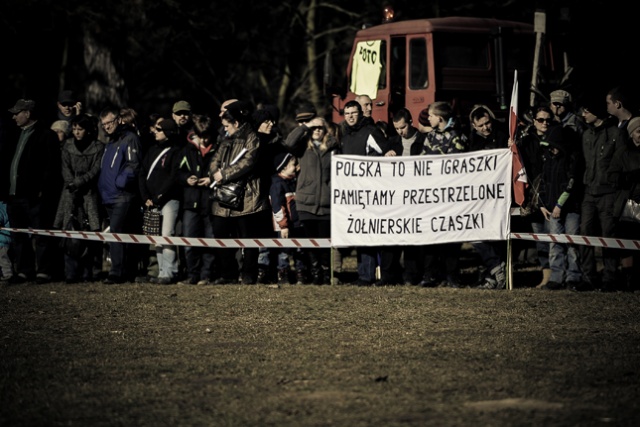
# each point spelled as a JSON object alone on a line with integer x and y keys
{"x": 605, "y": 242}
{"x": 179, "y": 241}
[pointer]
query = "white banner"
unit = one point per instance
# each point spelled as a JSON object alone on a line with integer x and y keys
{"x": 418, "y": 200}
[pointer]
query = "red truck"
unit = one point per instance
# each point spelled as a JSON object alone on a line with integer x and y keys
{"x": 461, "y": 60}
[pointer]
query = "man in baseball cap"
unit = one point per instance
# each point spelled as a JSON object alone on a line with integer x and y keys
{"x": 23, "y": 105}
{"x": 181, "y": 114}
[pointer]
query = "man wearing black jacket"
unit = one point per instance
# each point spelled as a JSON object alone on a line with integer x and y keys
{"x": 35, "y": 183}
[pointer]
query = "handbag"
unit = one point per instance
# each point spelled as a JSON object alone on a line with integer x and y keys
{"x": 75, "y": 248}
{"x": 230, "y": 195}
{"x": 630, "y": 211}
{"x": 151, "y": 221}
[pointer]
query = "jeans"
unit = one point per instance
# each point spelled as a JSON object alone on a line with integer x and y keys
{"x": 564, "y": 260}
{"x": 121, "y": 220}
{"x": 367, "y": 263}
{"x": 285, "y": 255}
{"x": 167, "y": 254}
{"x": 542, "y": 247}
{"x": 489, "y": 253}
{"x": 598, "y": 220}
{"x": 199, "y": 259}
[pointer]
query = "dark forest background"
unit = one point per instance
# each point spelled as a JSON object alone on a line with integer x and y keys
{"x": 147, "y": 54}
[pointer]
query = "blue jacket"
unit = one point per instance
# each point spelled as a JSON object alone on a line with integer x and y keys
{"x": 5, "y": 235}
{"x": 118, "y": 181}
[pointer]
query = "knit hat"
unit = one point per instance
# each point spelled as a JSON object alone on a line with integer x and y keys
{"x": 305, "y": 112}
{"x": 561, "y": 96}
{"x": 23, "y": 105}
{"x": 181, "y": 106}
{"x": 62, "y": 126}
{"x": 281, "y": 159}
{"x": 273, "y": 110}
{"x": 633, "y": 124}
{"x": 595, "y": 105}
{"x": 262, "y": 115}
{"x": 423, "y": 118}
{"x": 169, "y": 127}
{"x": 240, "y": 110}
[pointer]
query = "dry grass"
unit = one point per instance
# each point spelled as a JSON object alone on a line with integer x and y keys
{"x": 148, "y": 355}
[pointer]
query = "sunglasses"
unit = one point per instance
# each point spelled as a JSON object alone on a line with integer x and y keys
{"x": 541, "y": 120}
{"x": 159, "y": 129}
{"x": 557, "y": 104}
{"x": 315, "y": 128}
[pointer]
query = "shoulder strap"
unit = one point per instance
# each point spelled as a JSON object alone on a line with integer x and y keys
{"x": 153, "y": 165}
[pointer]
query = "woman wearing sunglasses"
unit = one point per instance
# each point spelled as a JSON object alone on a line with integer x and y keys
{"x": 532, "y": 148}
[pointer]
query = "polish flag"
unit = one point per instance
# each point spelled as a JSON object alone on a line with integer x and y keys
{"x": 520, "y": 181}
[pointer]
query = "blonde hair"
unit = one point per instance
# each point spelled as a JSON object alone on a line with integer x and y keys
{"x": 442, "y": 109}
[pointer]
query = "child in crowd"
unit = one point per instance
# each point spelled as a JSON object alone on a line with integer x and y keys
{"x": 285, "y": 215}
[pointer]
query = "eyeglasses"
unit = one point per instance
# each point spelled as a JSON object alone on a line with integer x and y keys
{"x": 109, "y": 123}
{"x": 315, "y": 128}
{"x": 541, "y": 120}
{"x": 557, "y": 104}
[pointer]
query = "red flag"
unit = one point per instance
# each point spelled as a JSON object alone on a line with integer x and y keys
{"x": 520, "y": 180}
{"x": 513, "y": 108}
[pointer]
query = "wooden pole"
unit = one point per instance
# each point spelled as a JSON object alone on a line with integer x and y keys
{"x": 539, "y": 26}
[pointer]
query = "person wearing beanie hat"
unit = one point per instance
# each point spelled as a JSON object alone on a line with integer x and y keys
{"x": 160, "y": 189}
{"x": 169, "y": 127}
{"x": 280, "y": 160}
{"x": 633, "y": 124}
{"x": 624, "y": 170}
{"x": 600, "y": 141}
{"x": 561, "y": 105}
{"x": 286, "y": 220}
{"x": 260, "y": 116}
{"x": 62, "y": 128}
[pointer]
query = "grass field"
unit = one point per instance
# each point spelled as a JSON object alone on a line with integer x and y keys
{"x": 263, "y": 355}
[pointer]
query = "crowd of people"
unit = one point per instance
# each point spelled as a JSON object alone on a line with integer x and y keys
{"x": 100, "y": 172}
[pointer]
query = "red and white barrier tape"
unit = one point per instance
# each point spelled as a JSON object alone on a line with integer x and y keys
{"x": 605, "y": 242}
{"x": 180, "y": 241}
